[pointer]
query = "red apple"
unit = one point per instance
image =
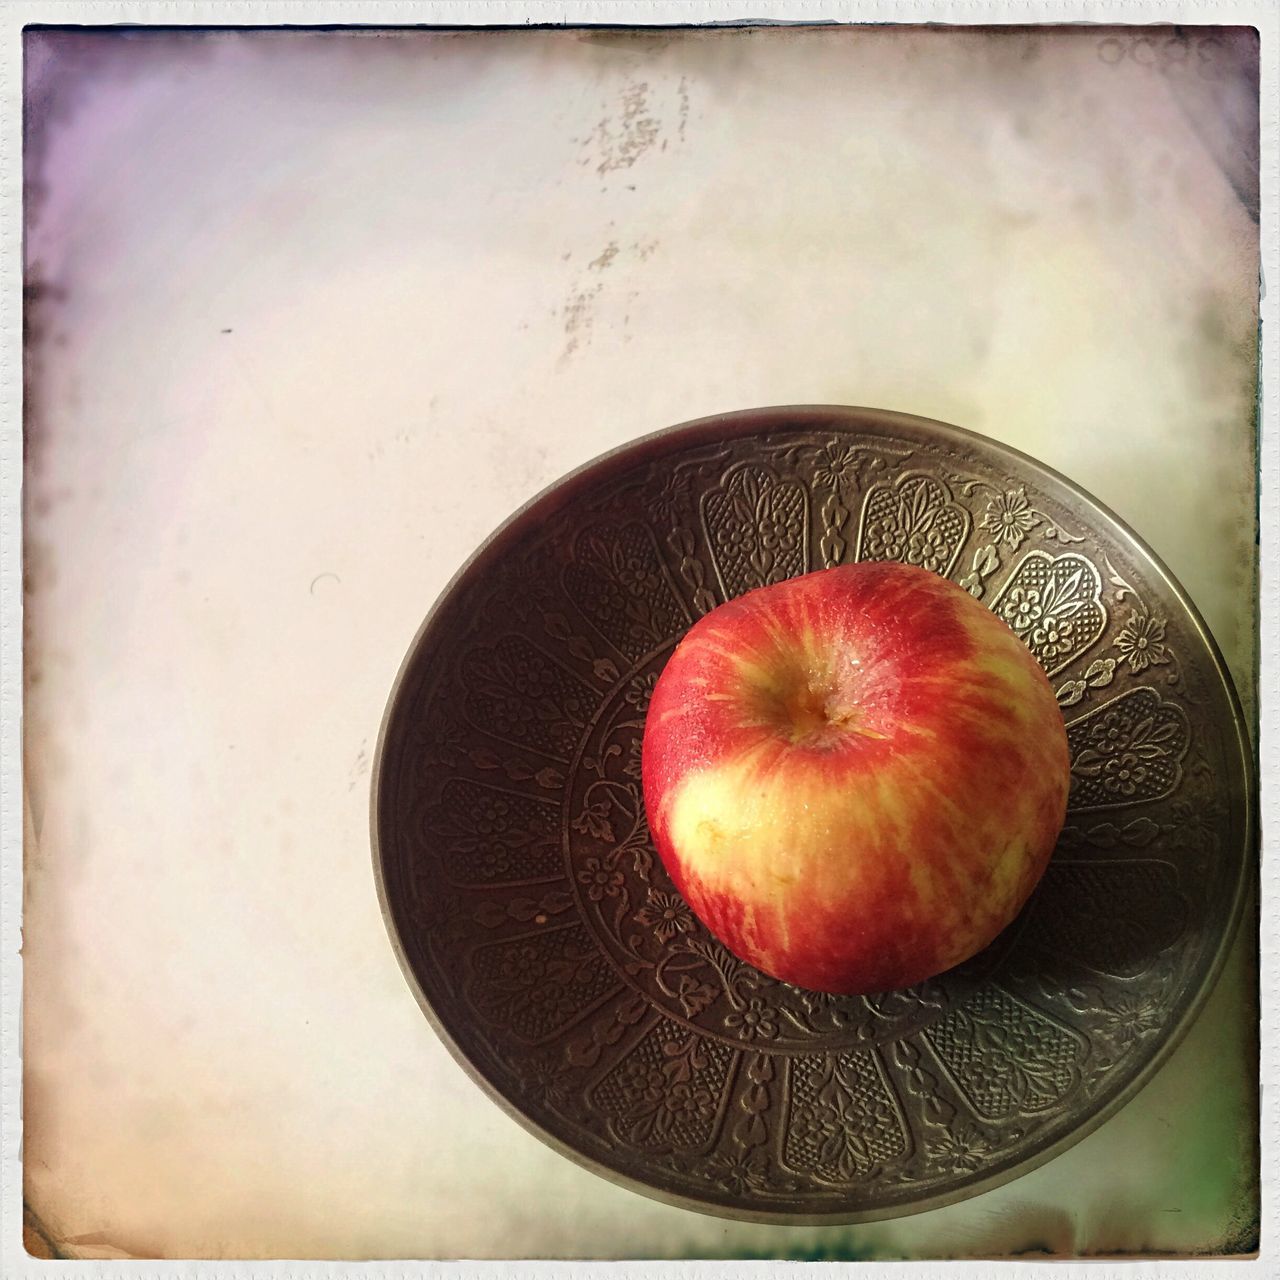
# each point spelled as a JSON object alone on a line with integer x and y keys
{"x": 855, "y": 777}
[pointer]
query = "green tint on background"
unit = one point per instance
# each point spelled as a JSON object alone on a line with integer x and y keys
{"x": 1167, "y": 1181}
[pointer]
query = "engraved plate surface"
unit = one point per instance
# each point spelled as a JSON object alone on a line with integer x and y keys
{"x": 561, "y": 966}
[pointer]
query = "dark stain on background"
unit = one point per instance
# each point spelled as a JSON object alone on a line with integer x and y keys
{"x": 36, "y": 1239}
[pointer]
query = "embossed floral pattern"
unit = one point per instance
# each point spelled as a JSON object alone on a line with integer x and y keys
{"x": 594, "y": 821}
{"x": 616, "y": 581}
{"x": 446, "y": 743}
{"x": 1128, "y": 749}
{"x": 756, "y": 1021}
{"x": 835, "y": 466}
{"x": 688, "y": 1101}
{"x": 517, "y": 692}
{"x": 694, "y": 996}
{"x": 538, "y": 984}
{"x": 667, "y": 914}
{"x": 608, "y": 598}
{"x": 843, "y": 1121}
{"x": 532, "y": 671}
{"x": 1009, "y": 517}
{"x": 634, "y": 766}
{"x": 990, "y": 1072}
{"x": 671, "y": 496}
{"x": 522, "y": 964}
{"x": 839, "y": 1145}
{"x": 1130, "y": 1017}
{"x": 491, "y": 816}
{"x": 736, "y": 1173}
{"x": 915, "y": 521}
{"x": 636, "y": 577}
{"x": 1004, "y": 1055}
{"x": 886, "y": 539}
{"x": 1124, "y": 773}
{"x": 552, "y": 1001}
{"x": 1054, "y": 604}
{"x": 1022, "y": 608}
{"x": 757, "y": 527}
{"x": 492, "y": 835}
{"x": 775, "y": 531}
{"x": 1195, "y": 822}
{"x": 640, "y": 690}
{"x": 928, "y": 549}
{"x": 493, "y": 862}
{"x": 736, "y": 539}
{"x": 1110, "y": 731}
{"x": 1053, "y": 637}
{"x": 1141, "y": 642}
{"x": 643, "y": 1083}
{"x": 661, "y": 1094}
{"x": 600, "y": 881}
{"x": 960, "y": 1150}
{"x": 544, "y": 1080}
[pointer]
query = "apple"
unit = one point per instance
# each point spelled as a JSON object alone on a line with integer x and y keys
{"x": 855, "y": 777}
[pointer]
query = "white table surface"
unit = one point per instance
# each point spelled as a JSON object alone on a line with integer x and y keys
{"x": 318, "y": 313}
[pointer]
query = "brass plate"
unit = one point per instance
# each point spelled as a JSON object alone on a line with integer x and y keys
{"x": 554, "y": 957}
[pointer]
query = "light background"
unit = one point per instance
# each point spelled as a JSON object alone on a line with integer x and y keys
{"x": 451, "y": 268}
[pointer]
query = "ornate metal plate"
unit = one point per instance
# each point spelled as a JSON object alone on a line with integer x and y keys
{"x": 561, "y": 967}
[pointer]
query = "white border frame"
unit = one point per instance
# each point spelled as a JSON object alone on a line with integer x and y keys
{"x": 14, "y": 15}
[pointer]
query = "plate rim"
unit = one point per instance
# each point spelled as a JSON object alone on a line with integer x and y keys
{"x": 729, "y": 425}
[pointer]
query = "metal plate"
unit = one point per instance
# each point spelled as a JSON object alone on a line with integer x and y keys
{"x": 559, "y": 964}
